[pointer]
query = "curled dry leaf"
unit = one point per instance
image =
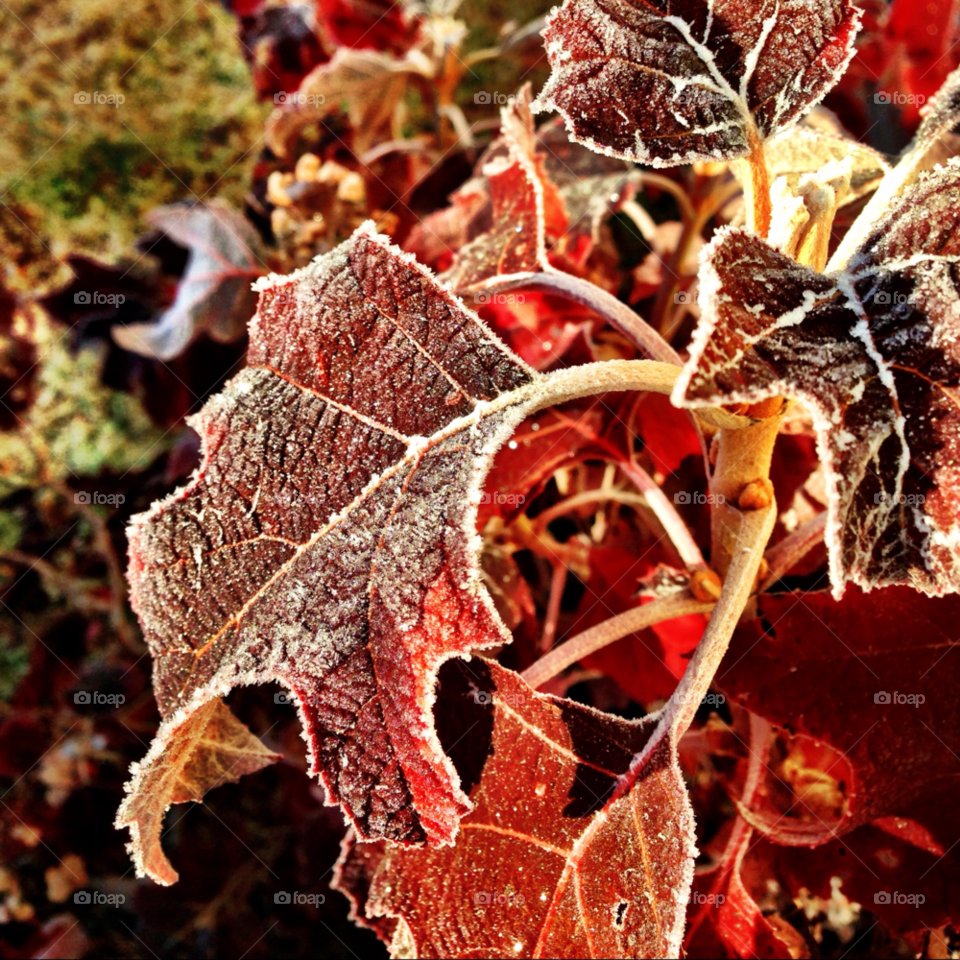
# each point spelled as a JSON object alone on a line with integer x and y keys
{"x": 872, "y": 351}
{"x": 203, "y": 750}
{"x": 214, "y": 295}
{"x": 367, "y": 84}
{"x": 665, "y": 83}
{"x": 569, "y": 850}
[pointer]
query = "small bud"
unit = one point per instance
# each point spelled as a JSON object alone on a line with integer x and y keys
{"x": 276, "y": 192}
{"x": 307, "y": 167}
{"x": 757, "y": 495}
{"x": 706, "y": 585}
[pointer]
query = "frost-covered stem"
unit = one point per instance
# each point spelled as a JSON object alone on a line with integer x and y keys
{"x": 892, "y": 185}
{"x": 687, "y": 212}
{"x": 741, "y": 478}
{"x": 603, "y": 634}
{"x": 590, "y": 295}
{"x": 676, "y": 717}
{"x": 557, "y": 583}
{"x": 756, "y": 186}
{"x": 789, "y": 551}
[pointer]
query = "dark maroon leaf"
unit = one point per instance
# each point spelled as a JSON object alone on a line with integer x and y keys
{"x": 665, "y": 82}
{"x": 872, "y": 350}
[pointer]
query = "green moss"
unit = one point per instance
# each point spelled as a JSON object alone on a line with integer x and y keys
{"x": 76, "y": 426}
{"x": 187, "y": 128}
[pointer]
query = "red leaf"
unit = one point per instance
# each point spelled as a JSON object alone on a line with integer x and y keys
{"x": 824, "y": 669}
{"x": 872, "y": 352}
{"x": 352, "y": 445}
{"x": 567, "y": 853}
{"x": 368, "y": 24}
{"x": 668, "y": 434}
{"x": 665, "y": 83}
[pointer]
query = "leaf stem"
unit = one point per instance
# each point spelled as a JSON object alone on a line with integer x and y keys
{"x": 617, "y": 627}
{"x": 756, "y": 186}
{"x": 606, "y": 305}
{"x": 676, "y": 717}
{"x": 789, "y": 551}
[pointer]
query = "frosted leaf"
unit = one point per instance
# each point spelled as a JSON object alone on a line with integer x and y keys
{"x": 326, "y": 542}
{"x": 208, "y": 748}
{"x": 872, "y": 350}
{"x": 665, "y": 83}
{"x": 214, "y": 295}
{"x": 569, "y": 851}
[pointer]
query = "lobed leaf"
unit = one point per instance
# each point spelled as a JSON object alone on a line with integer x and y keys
{"x": 872, "y": 351}
{"x": 663, "y": 82}
{"x": 570, "y": 851}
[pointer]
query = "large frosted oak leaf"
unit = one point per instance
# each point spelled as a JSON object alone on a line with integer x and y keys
{"x": 567, "y": 853}
{"x": 872, "y": 350}
{"x": 666, "y": 82}
{"x": 326, "y": 542}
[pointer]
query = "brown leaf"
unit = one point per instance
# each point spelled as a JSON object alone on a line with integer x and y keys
{"x": 667, "y": 83}
{"x": 193, "y": 754}
{"x": 568, "y": 852}
{"x": 367, "y": 84}
{"x": 872, "y": 350}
